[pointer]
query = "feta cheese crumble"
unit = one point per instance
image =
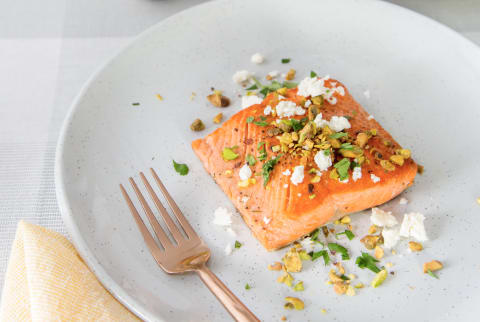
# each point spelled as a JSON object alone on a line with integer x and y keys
{"x": 268, "y": 110}
{"x": 228, "y": 249}
{"x": 286, "y": 172}
{"x": 273, "y": 74}
{"x": 308, "y": 244}
{"x": 391, "y": 237}
{"x": 257, "y": 58}
{"x": 222, "y": 217}
{"x": 308, "y": 103}
{"x": 357, "y": 173}
{"x": 242, "y": 76}
{"x": 339, "y": 123}
{"x": 412, "y": 226}
{"x": 245, "y": 199}
{"x": 285, "y": 185}
{"x": 319, "y": 121}
{"x": 403, "y": 201}
{"x": 382, "y": 218}
{"x": 316, "y": 86}
{"x": 370, "y": 117}
{"x": 288, "y": 109}
{"x": 323, "y": 161}
{"x": 249, "y": 100}
{"x": 374, "y": 178}
{"x": 297, "y": 175}
{"x": 245, "y": 172}
{"x": 266, "y": 220}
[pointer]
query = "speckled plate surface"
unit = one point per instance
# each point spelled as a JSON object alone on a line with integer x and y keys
{"x": 424, "y": 81}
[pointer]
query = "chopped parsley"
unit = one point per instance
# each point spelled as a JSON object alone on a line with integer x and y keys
{"x": 261, "y": 123}
{"x": 263, "y": 118}
{"x": 326, "y": 152}
{"x": 314, "y": 234}
{"x": 322, "y": 253}
{"x": 262, "y": 153}
{"x": 238, "y": 244}
{"x": 285, "y": 60}
{"x": 313, "y": 74}
{"x": 290, "y": 84}
{"x": 181, "y": 168}
{"x": 346, "y": 146}
{"x": 267, "y": 169}
{"x": 247, "y": 287}
{"x": 348, "y": 117}
{"x": 338, "y": 135}
{"x": 251, "y": 160}
{"x": 347, "y": 233}
{"x": 228, "y": 154}
{"x": 296, "y": 124}
{"x": 344, "y": 277}
{"x": 251, "y": 88}
{"x": 367, "y": 261}
{"x": 342, "y": 167}
{"x": 135, "y": 104}
{"x": 340, "y": 249}
{"x": 250, "y": 119}
{"x": 432, "y": 274}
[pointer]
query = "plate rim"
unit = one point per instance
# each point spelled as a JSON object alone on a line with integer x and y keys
{"x": 64, "y": 204}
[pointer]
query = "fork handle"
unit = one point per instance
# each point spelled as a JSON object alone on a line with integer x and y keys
{"x": 234, "y": 306}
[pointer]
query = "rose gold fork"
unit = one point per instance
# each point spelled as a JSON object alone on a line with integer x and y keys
{"x": 186, "y": 254}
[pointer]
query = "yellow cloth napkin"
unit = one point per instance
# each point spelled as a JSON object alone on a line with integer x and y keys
{"x": 47, "y": 280}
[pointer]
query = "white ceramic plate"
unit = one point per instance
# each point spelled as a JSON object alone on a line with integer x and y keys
{"x": 424, "y": 81}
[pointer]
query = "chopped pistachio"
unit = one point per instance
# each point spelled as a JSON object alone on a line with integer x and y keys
{"x": 379, "y": 278}
{"x": 313, "y": 111}
{"x": 290, "y": 74}
{"x": 312, "y": 196}
{"x": 308, "y": 132}
{"x": 405, "y": 153}
{"x": 334, "y": 174}
{"x": 282, "y": 91}
{"x": 362, "y": 139}
{"x": 285, "y": 126}
{"x": 478, "y": 200}
{"x": 273, "y": 131}
{"x": 397, "y": 159}
{"x": 345, "y": 220}
{"x": 352, "y": 276}
{"x": 277, "y": 266}
{"x": 432, "y": 266}
{"x": 372, "y": 230}
{"x": 286, "y": 279}
{"x": 276, "y": 148}
{"x": 294, "y": 136}
{"x": 315, "y": 179}
{"x": 197, "y": 125}
{"x": 308, "y": 144}
{"x": 292, "y": 261}
{"x": 334, "y": 277}
{"x": 218, "y": 100}
{"x": 388, "y": 265}
{"x": 159, "y": 97}
{"x": 335, "y": 143}
{"x": 387, "y": 165}
{"x": 228, "y": 154}
{"x": 218, "y": 118}
{"x": 228, "y": 173}
{"x": 317, "y": 100}
{"x": 370, "y": 241}
{"x": 299, "y": 287}
{"x": 340, "y": 288}
{"x": 304, "y": 256}
{"x": 420, "y": 169}
{"x": 350, "y": 291}
{"x": 379, "y": 252}
{"x": 414, "y": 246}
{"x": 297, "y": 303}
{"x": 340, "y": 268}
{"x": 283, "y": 318}
{"x": 359, "y": 285}
{"x": 323, "y": 311}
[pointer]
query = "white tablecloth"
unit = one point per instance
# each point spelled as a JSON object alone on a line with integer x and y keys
{"x": 48, "y": 49}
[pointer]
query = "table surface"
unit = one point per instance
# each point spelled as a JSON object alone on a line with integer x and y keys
{"x": 49, "y": 49}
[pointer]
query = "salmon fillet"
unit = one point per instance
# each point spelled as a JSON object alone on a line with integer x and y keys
{"x": 281, "y": 212}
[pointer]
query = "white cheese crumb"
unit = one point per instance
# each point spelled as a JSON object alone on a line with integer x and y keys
{"x": 297, "y": 175}
{"x": 319, "y": 121}
{"x": 222, "y": 217}
{"x": 308, "y": 244}
{"x": 382, "y": 218}
{"x": 370, "y": 117}
{"x": 312, "y": 87}
{"x": 403, "y": 201}
{"x": 374, "y": 178}
{"x": 413, "y": 226}
{"x": 339, "y": 123}
{"x": 323, "y": 161}
{"x": 257, "y": 58}
{"x": 280, "y": 97}
{"x": 249, "y": 100}
{"x": 228, "y": 249}
{"x": 367, "y": 94}
{"x": 285, "y": 185}
{"x": 266, "y": 220}
{"x": 286, "y": 172}
{"x": 357, "y": 173}
{"x": 245, "y": 172}
{"x": 308, "y": 103}
{"x": 268, "y": 110}
{"x": 391, "y": 237}
{"x": 344, "y": 180}
{"x": 273, "y": 73}
{"x": 245, "y": 199}
{"x": 242, "y": 76}
{"x": 288, "y": 109}
{"x": 299, "y": 194}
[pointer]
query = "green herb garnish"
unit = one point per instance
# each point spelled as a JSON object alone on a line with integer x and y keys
{"x": 348, "y": 117}
{"x": 346, "y": 146}
{"x": 261, "y": 123}
{"x": 313, "y": 74}
{"x": 251, "y": 160}
{"x": 344, "y": 277}
{"x": 347, "y": 233}
{"x": 342, "y": 167}
{"x": 338, "y": 135}
{"x": 257, "y": 83}
{"x": 262, "y": 156}
{"x": 135, "y": 104}
{"x": 326, "y": 152}
{"x": 267, "y": 169}
{"x": 322, "y": 253}
{"x": 340, "y": 249}
{"x": 251, "y": 88}
{"x": 250, "y": 119}
{"x": 285, "y": 60}
{"x": 181, "y": 168}
{"x": 432, "y": 274}
{"x": 296, "y": 124}
{"x": 247, "y": 287}
{"x": 314, "y": 234}
{"x": 238, "y": 244}
{"x": 289, "y": 84}
{"x": 228, "y": 154}
{"x": 367, "y": 261}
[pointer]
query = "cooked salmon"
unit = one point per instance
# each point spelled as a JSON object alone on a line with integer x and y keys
{"x": 359, "y": 165}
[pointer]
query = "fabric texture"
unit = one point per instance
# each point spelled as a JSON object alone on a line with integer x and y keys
{"x": 47, "y": 280}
